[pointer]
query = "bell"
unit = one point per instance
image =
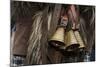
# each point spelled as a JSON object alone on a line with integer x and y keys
{"x": 79, "y": 39}
{"x": 57, "y": 39}
{"x": 71, "y": 41}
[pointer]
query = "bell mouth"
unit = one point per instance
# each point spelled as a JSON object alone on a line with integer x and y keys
{"x": 72, "y": 47}
{"x": 56, "y": 43}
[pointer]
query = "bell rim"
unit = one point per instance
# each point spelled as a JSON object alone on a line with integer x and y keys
{"x": 72, "y": 47}
{"x": 81, "y": 48}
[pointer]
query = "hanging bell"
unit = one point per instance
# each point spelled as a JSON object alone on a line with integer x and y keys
{"x": 71, "y": 41}
{"x": 80, "y": 41}
{"x": 57, "y": 39}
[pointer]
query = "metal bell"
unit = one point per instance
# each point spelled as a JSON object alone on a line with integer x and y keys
{"x": 79, "y": 39}
{"x": 71, "y": 41}
{"x": 57, "y": 39}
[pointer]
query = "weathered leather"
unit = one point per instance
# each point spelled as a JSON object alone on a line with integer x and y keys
{"x": 23, "y": 29}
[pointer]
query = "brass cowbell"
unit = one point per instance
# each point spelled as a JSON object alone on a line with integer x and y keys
{"x": 71, "y": 41}
{"x": 79, "y": 39}
{"x": 57, "y": 39}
